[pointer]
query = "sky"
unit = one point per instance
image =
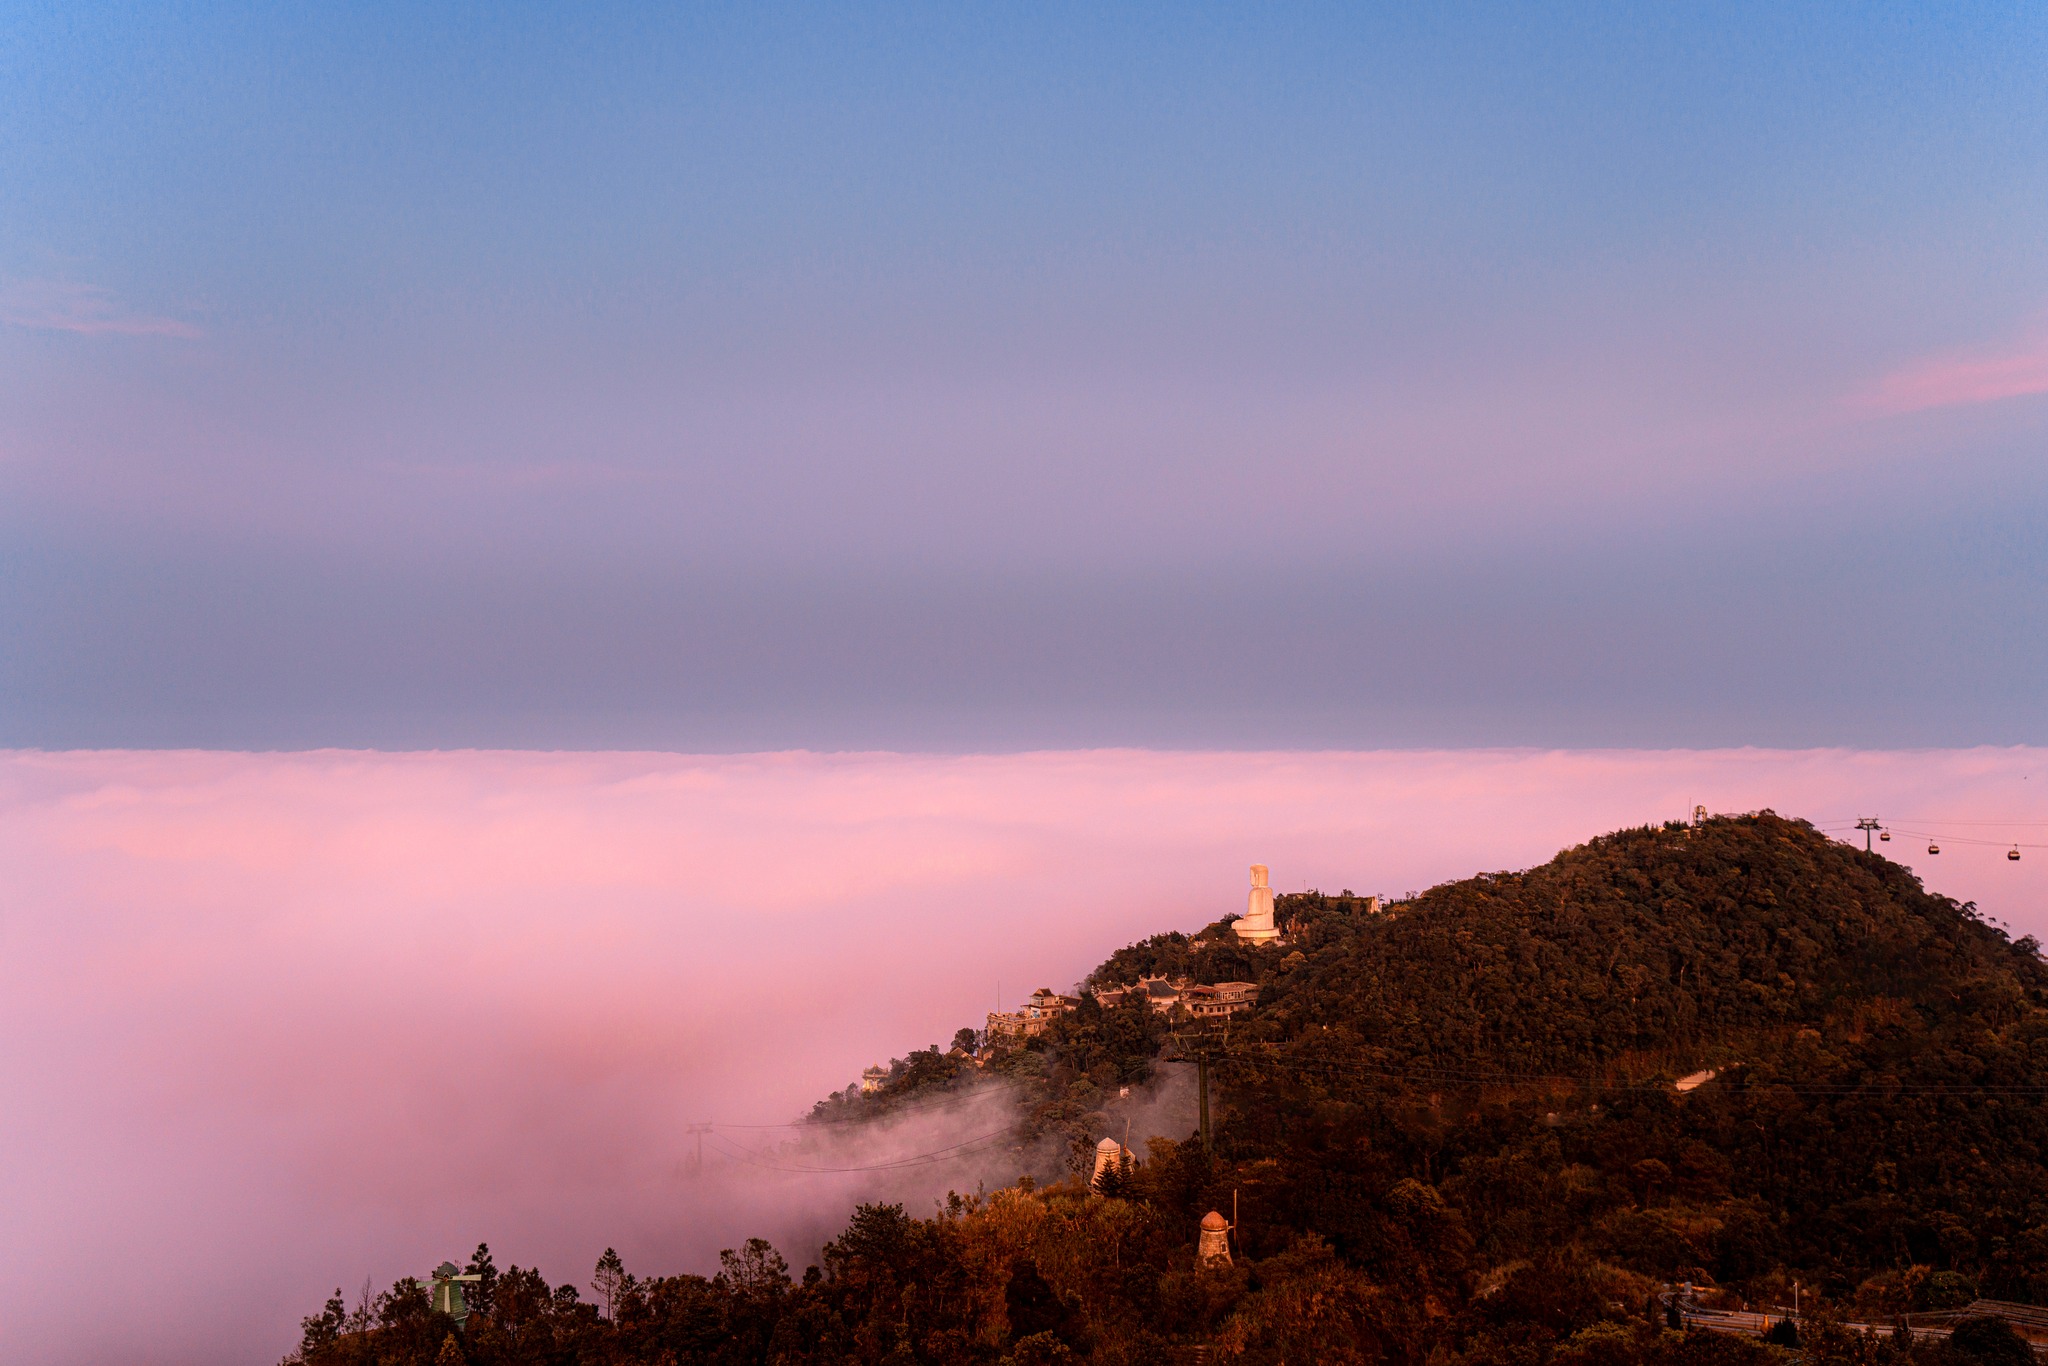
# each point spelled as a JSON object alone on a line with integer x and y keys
{"x": 272, "y": 1023}
{"x": 963, "y": 378}
{"x": 567, "y": 572}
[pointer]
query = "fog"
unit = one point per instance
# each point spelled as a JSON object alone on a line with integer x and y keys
{"x": 272, "y": 1023}
{"x": 798, "y": 1182}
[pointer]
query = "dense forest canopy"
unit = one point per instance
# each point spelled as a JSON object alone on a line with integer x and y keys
{"x": 1454, "y": 1135}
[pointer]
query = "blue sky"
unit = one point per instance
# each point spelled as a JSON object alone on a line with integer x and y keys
{"x": 990, "y": 377}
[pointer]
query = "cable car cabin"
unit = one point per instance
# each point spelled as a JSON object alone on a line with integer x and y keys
{"x": 2013, "y": 853}
{"x": 1933, "y": 848}
{"x": 1884, "y": 837}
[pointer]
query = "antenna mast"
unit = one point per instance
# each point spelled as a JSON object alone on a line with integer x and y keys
{"x": 697, "y": 1168}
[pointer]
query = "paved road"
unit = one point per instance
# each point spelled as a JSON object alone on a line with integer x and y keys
{"x": 1734, "y": 1321}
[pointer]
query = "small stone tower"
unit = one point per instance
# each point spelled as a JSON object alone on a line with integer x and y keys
{"x": 1214, "y": 1247}
{"x": 1108, "y": 1153}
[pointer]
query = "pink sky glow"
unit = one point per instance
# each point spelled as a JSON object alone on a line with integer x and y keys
{"x": 277, "y": 1021}
{"x": 1947, "y": 381}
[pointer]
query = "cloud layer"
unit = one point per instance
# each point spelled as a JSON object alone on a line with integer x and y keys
{"x": 275, "y": 1022}
{"x": 83, "y": 310}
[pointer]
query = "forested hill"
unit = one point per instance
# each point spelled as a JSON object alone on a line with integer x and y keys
{"x": 1455, "y": 1136}
{"x": 1878, "y": 1051}
{"x": 1678, "y": 947}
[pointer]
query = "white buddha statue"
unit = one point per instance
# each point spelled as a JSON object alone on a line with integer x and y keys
{"x": 1257, "y": 925}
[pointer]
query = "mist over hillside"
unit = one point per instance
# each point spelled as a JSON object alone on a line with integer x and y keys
{"x": 1486, "y": 1123}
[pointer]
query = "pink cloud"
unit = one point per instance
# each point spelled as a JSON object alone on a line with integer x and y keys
{"x": 1950, "y": 380}
{"x": 86, "y": 310}
{"x": 272, "y": 1022}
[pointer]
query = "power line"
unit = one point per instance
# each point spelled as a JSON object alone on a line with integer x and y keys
{"x": 1967, "y": 839}
{"x": 1936, "y": 835}
{"x": 1935, "y": 820}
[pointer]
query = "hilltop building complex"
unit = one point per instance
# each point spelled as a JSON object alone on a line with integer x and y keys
{"x": 1033, "y": 1018}
{"x": 1201, "y": 1000}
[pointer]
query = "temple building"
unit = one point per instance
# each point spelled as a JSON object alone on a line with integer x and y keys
{"x": 1161, "y": 993}
{"x": 1223, "y": 998}
{"x": 1200, "y": 1001}
{"x": 1033, "y": 1018}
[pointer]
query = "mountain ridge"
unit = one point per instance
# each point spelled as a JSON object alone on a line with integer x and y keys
{"x": 1453, "y": 1134}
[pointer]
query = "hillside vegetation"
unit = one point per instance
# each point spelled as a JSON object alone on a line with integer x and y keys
{"x": 1454, "y": 1136}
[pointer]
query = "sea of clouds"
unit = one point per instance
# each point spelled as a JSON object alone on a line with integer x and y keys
{"x": 273, "y": 1023}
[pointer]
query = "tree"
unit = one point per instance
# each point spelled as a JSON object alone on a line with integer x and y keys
{"x": 609, "y": 1281}
{"x": 757, "y": 1269}
{"x": 1986, "y": 1341}
{"x": 363, "y": 1316}
{"x": 324, "y": 1327}
{"x": 877, "y": 1238}
{"x": 480, "y": 1265}
{"x": 405, "y": 1302}
{"x": 1040, "y": 1349}
{"x": 1115, "y": 1181}
{"x": 1032, "y": 1305}
{"x": 1949, "y": 1290}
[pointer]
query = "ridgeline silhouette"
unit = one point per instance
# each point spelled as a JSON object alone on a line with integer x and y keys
{"x": 1456, "y": 1135}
